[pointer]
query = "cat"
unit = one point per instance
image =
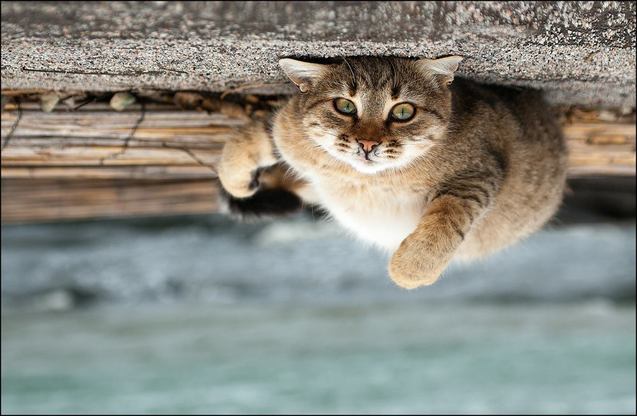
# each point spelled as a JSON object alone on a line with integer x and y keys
{"x": 408, "y": 157}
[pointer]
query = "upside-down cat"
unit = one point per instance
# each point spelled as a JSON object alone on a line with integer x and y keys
{"x": 405, "y": 157}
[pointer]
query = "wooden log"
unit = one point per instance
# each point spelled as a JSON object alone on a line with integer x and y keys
{"x": 106, "y": 172}
{"x": 94, "y": 139}
{"x": 16, "y": 156}
{"x": 157, "y": 158}
{"x": 34, "y": 200}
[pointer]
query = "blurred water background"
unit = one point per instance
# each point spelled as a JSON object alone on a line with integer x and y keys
{"x": 203, "y": 315}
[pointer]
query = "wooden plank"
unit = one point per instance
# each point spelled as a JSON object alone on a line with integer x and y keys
{"x": 14, "y": 156}
{"x": 160, "y": 159}
{"x": 105, "y": 172}
{"x": 95, "y": 137}
{"x": 34, "y": 200}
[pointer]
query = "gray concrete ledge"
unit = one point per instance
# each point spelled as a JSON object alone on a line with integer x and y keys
{"x": 579, "y": 52}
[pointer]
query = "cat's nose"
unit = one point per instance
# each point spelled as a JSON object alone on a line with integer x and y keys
{"x": 367, "y": 145}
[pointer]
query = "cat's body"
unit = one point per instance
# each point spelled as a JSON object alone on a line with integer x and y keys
{"x": 473, "y": 170}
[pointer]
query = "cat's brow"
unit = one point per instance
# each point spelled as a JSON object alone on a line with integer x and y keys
{"x": 432, "y": 112}
{"x": 395, "y": 85}
{"x": 317, "y": 102}
{"x": 351, "y": 84}
{"x": 395, "y": 91}
{"x": 351, "y": 87}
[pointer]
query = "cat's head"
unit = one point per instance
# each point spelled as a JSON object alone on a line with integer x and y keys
{"x": 374, "y": 113}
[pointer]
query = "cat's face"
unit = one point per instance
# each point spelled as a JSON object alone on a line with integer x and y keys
{"x": 374, "y": 113}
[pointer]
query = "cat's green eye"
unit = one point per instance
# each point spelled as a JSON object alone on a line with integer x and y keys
{"x": 345, "y": 106}
{"x": 402, "y": 111}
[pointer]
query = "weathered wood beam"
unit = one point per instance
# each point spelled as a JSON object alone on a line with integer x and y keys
{"x": 93, "y": 140}
{"x": 30, "y": 200}
{"x": 161, "y": 159}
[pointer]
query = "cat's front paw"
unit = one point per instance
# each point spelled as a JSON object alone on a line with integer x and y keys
{"x": 238, "y": 169}
{"x": 415, "y": 264}
{"x": 240, "y": 183}
{"x": 244, "y": 155}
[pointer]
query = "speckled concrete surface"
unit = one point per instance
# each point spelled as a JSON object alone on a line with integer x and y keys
{"x": 579, "y": 52}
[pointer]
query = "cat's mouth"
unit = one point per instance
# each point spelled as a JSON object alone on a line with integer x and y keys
{"x": 369, "y": 163}
{"x": 366, "y": 157}
{"x": 366, "y": 162}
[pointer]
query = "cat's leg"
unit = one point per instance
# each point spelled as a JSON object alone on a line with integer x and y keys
{"x": 425, "y": 253}
{"x": 244, "y": 156}
{"x": 256, "y": 183}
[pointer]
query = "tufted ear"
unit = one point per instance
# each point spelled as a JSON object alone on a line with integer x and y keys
{"x": 444, "y": 66}
{"x": 303, "y": 74}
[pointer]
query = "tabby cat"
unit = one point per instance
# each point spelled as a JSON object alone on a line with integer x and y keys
{"x": 408, "y": 158}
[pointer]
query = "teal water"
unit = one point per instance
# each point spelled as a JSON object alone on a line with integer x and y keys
{"x": 205, "y": 316}
{"x": 376, "y": 358}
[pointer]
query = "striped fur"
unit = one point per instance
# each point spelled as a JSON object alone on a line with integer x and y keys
{"x": 476, "y": 169}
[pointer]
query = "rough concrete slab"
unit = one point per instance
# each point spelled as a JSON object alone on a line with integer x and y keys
{"x": 579, "y": 52}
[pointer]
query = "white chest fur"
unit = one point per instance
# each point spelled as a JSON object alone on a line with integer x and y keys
{"x": 380, "y": 215}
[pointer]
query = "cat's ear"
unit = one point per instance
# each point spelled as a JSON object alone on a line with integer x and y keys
{"x": 446, "y": 67}
{"x": 303, "y": 74}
